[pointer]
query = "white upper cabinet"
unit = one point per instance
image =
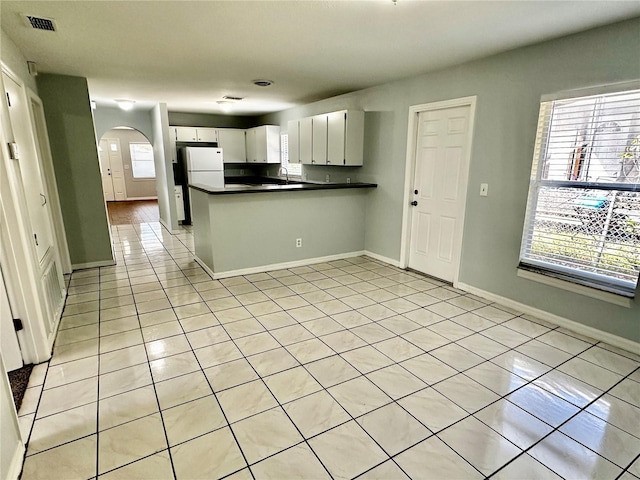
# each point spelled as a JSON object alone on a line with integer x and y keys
{"x": 233, "y": 145}
{"x": 193, "y": 134}
{"x": 207, "y": 134}
{"x": 263, "y": 144}
{"x": 186, "y": 134}
{"x": 319, "y": 135}
{"x": 293, "y": 132}
{"x": 305, "y": 139}
{"x": 335, "y": 138}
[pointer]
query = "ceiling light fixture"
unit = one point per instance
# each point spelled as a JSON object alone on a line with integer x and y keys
{"x": 262, "y": 83}
{"x": 126, "y": 104}
{"x": 225, "y": 105}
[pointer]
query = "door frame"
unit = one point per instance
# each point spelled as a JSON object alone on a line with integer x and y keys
{"x": 18, "y": 255}
{"x": 409, "y": 176}
{"x": 43, "y": 149}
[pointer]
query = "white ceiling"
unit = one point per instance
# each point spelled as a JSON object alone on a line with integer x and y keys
{"x": 189, "y": 54}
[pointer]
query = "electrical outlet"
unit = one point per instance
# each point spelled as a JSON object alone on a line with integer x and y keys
{"x": 327, "y": 178}
{"x": 242, "y": 171}
{"x": 298, "y": 243}
{"x": 348, "y": 180}
{"x": 484, "y": 189}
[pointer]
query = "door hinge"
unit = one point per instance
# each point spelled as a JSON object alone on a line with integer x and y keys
{"x": 8, "y": 100}
{"x": 13, "y": 151}
{"x": 36, "y": 239}
{"x": 17, "y": 324}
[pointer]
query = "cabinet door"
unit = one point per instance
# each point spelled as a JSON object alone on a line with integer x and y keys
{"x": 172, "y": 145}
{"x": 250, "y": 142}
{"x": 272, "y": 143}
{"x": 186, "y": 134}
{"x": 354, "y": 138}
{"x": 293, "y": 132}
{"x": 261, "y": 144}
{"x": 319, "y": 135}
{"x": 305, "y": 128}
{"x": 336, "y": 124}
{"x": 232, "y": 142}
{"x": 207, "y": 134}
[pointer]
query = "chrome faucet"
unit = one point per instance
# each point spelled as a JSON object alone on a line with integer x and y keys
{"x": 286, "y": 173}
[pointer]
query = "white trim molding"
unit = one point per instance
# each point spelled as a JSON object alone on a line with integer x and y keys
{"x": 84, "y": 266}
{"x": 133, "y": 199}
{"x": 576, "y": 288}
{"x": 381, "y": 258}
{"x": 276, "y": 266}
{"x": 412, "y": 138}
{"x": 610, "y": 338}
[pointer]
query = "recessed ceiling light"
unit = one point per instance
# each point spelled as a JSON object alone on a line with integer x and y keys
{"x": 225, "y": 105}
{"x": 126, "y": 104}
{"x": 262, "y": 83}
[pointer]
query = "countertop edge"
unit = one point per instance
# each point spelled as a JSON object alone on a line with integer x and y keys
{"x": 281, "y": 188}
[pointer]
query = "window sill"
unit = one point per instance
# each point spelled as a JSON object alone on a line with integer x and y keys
{"x": 576, "y": 288}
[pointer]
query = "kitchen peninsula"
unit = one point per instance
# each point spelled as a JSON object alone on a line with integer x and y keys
{"x": 241, "y": 229}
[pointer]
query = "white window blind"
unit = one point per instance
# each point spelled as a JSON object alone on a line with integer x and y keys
{"x": 583, "y": 211}
{"x": 293, "y": 169}
{"x": 142, "y": 164}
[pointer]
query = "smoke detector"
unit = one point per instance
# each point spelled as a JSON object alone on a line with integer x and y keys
{"x": 262, "y": 83}
{"x": 41, "y": 23}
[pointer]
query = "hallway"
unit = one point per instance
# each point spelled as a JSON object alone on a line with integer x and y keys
{"x": 133, "y": 212}
{"x": 335, "y": 370}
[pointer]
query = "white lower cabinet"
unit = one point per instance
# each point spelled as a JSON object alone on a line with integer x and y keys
{"x": 179, "y": 202}
{"x": 233, "y": 144}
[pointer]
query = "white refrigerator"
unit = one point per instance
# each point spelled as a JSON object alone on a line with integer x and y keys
{"x": 205, "y": 166}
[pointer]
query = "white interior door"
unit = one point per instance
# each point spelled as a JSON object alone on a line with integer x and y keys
{"x": 8, "y": 340}
{"x": 105, "y": 171}
{"x": 439, "y": 191}
{"x": 29, "y": 167}
{"x": 117, "y": 169}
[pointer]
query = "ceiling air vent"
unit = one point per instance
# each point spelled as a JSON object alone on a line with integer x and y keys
{"x": 229, "y": 97}
{"x": 41, "y": 23}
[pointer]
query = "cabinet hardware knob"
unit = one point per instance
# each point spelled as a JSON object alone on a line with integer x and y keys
{"x": 414, "y": 203}
{"x": 415, "y": 192}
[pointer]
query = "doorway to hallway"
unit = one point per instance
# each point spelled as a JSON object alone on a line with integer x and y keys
{"x": 133, "y": 212}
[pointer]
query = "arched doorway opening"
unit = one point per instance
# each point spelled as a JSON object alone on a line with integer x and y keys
{"x": 128, "y": 174}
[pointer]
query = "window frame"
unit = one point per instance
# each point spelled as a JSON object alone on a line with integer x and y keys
{"x": 284, "y": 162}
{"x": 134, "y": 160}
{"x": 581, "y": 281}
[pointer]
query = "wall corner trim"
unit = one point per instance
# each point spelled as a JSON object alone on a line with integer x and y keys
{"x": 611, "y": 339}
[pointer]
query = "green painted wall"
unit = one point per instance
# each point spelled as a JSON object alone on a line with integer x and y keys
{"x": 182, "y": 119}
{"x": 508, "y": 88}
{"x": 75, "y": 158}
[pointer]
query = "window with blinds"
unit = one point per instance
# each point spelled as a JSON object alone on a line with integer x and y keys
{"x": 293, "y": 169}
{"x": 583, "y": 211}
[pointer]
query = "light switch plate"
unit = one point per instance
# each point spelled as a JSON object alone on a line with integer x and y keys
{"x": 484, "y": 189}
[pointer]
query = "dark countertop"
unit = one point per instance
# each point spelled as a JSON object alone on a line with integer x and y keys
{"x": 235, "y": 185}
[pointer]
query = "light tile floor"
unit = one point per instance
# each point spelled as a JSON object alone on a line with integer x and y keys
{"x": 344, "y": 369}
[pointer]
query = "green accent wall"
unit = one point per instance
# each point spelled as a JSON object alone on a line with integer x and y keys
{"x": 75, "y": 159}
{"x": 183, "y": 119}
{"x": 508, "y": 89}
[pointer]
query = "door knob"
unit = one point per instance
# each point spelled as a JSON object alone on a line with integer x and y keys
{"x": 414, "y": 203}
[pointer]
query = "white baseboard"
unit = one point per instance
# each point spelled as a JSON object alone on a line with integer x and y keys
{"x": 577, "y": 327}
{"x": 102, "y": 263}
{"x": 133, "y": 199}
{"x": 168, "y": 228}
{"x": 15, "y": 467}
{"x": 277, "y": 266}
{"x": 395, "y": 263}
